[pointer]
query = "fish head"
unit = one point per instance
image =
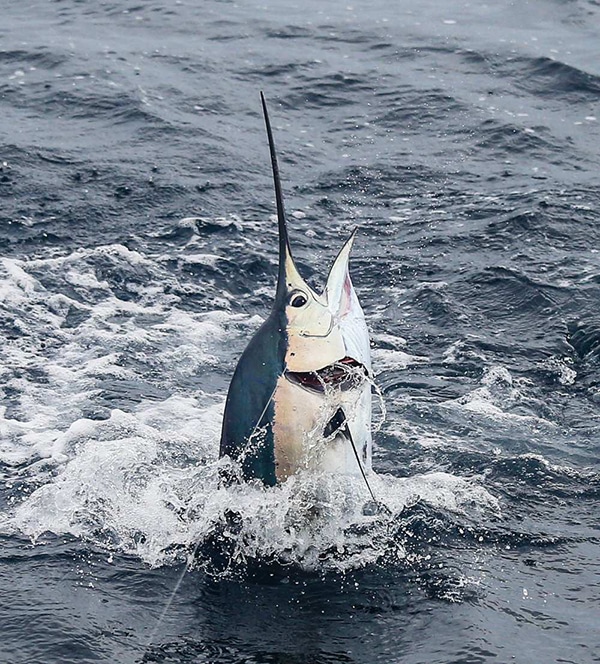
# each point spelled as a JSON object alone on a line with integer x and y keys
{"x": 326, "y": 333}
{"x": 313, "y": 339}
{"x": 323, "y": 401}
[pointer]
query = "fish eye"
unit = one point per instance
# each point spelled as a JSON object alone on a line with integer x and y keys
{"x": 298, "y": 299}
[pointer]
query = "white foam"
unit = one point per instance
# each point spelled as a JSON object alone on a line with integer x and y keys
{"x": 130, "y": 484}
{"x": 385, "y": 359}
{"x": 210, "y": 260}
{"x": 456, "y": 353}
{"x": 494, "y": 399}
{"x": 102, "y": 443}
{"x": 17, "y": 277}
{"x": 389, "y": 339}
{"x": 54, "y": 370}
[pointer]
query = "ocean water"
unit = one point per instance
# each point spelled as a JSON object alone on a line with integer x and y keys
{"x": 138, "y": 255}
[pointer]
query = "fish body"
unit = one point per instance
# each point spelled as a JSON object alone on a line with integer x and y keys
{"x": 300, "y": 396}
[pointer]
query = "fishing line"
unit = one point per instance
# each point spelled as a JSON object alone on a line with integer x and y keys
{"x": 360, "y": 374}
{"x": 262, "y": 414}
{"x": 248, "y": 449}
{"x": 172, "y": 596}
{"x": 362, "y": 470}
{"x": 192, "y": 555}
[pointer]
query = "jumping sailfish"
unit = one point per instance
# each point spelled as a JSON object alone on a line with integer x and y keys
{"x": 300, "y": 397}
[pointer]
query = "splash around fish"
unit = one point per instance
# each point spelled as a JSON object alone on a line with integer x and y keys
{"x": 147, "y": 481}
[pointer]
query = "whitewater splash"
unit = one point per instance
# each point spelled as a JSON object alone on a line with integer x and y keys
{"x": 109, "y": 433}
{"x": 143, "y": 484}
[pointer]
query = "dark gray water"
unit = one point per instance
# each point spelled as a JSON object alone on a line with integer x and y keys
{"x": 138, "y": 254}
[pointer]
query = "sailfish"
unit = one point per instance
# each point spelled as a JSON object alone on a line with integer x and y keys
{"x": 300, "y": 396}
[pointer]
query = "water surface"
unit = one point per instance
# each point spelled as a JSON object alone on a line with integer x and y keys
{"x": 138, "y": 255}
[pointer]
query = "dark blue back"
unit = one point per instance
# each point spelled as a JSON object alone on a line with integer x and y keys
{"x": 251, "y": 390}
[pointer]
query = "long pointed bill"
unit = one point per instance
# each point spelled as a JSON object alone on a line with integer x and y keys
{"x": 288, "y": 276}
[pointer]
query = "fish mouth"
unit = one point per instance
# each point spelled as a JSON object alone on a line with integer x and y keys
{"x": 345, "y": 374}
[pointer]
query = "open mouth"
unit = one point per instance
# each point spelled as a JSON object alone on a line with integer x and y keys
{"x": 345, "y": 374}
